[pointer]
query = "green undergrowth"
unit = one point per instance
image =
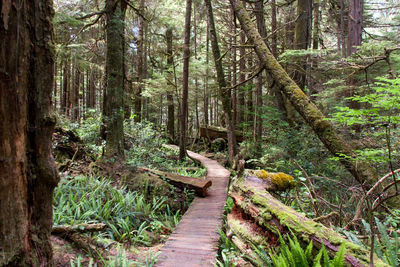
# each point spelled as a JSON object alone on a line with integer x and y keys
{"x": 130, "y": 217}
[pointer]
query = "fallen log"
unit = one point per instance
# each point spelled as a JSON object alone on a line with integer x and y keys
{"x": 212, "y": 133}
{"x": 257, "y": 217}
{"x": 199, "y": 185}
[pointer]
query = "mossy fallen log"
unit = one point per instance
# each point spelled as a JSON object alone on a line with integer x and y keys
{"x": 257, "y": 217}
{"x": 213, "y": 132}
{"x": 199, "y": 185}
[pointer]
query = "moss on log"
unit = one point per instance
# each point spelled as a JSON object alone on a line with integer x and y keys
{"x": 255, "y": 206}
{"x": 213, "y": 132}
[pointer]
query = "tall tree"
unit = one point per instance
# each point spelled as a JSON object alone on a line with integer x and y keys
{"x": 355, "y": 21}
{"x": 302, "y": 37}
{"x": 115, "y": 68}
{"x": 224, "y": 95}
{"x": 185, "y": 82}
{"x": 170, "y": 97}
{"x": 139, "y": 64}
{"x": 259, "y": 10}
{"x": 28, "y": 173}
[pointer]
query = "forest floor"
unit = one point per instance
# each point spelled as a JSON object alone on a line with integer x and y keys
{"x": 75, "y": 160}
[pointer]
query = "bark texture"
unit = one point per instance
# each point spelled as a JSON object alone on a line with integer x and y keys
{"x": 185, "y": 83}
{"x": 302, "y": 37}
{"x": 170, "y": 98}
{"x": 115, "y": 67}
{"x": 311, "y": 114}
{"x": 28, "y": 173}
{"x": 224, "y": 94}
{"x": 139, "y": 65}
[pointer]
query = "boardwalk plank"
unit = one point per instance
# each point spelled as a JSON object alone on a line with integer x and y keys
{"x": 195, "y": 240}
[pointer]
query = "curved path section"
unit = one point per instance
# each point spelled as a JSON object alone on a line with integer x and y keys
{"x": 195, "y": 240}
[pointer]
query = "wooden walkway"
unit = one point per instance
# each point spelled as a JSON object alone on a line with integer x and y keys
{"x": 195, "y": 240}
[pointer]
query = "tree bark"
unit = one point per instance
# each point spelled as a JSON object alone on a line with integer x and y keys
{"x": 115, "y": 68}
{"x": 311, "y": 114}
{"x": 234, "y": 68}
{"x": 355, "y": 21}
{"x": 185, "y": 83}
{"x": 170, "y": 98}
{"x": 139, "y": 65}
{"x": 302, "y": 38}
{"x": 28, "y": 172}
{"x": 263, "y": 33}
{"x": 224, "y": 94}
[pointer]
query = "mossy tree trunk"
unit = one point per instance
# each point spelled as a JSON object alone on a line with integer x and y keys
{"x": 115, "y": 68}
{"x": 28, "y": 173}
{"x": 224, "y": 94}
{"x": 311, "y": 114}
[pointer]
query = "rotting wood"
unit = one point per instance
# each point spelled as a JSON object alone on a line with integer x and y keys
{"x": 256, "y": 207}
{"x": 199, "y": 185}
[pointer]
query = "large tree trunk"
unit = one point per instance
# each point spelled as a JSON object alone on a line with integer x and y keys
{"x": 185, "y": 83}
{"x": 170, "y": 98}
{"x": 28, "y": 173}
{"x": 355, "y": 21}
{"x": 222, "y": 92}
{"x": 139, "y": 65}
{"x": 115, "y": 67}
{"x": 302, "y": 38}
{"x": 311, "y": 114}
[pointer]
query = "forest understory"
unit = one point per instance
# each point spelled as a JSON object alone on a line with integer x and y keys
{"x": 298, "y": 100}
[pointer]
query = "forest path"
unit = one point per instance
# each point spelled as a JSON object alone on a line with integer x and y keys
{"x": 195, "y": 240}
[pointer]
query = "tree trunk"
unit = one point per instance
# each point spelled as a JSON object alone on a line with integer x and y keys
{"x": 170, "y": 98}
{"x": 139, "y": 65}
{"x": 302, "y": 38}
{"x": 263, "y": 33}
{"x": 185, "y": 83}
{"x": 28, "y": 173}
{"x": 75, "y": 95}
{"x": 206, "y": 91}
{"x": 311, "y": 114}
{"x": 342, "y": 29}
{"x": 65, "y": 87}
{"x": 234, "y": 68}
{"x": 242, "y": 78}
{"x": 355, "y": 21}
{"x": 249, "y": 88}
{"x": 222, "y": 92}
{"x": 114, "y": 91}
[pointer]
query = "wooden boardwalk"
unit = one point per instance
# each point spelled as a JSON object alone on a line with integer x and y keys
{"x": 195, "y": 240}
